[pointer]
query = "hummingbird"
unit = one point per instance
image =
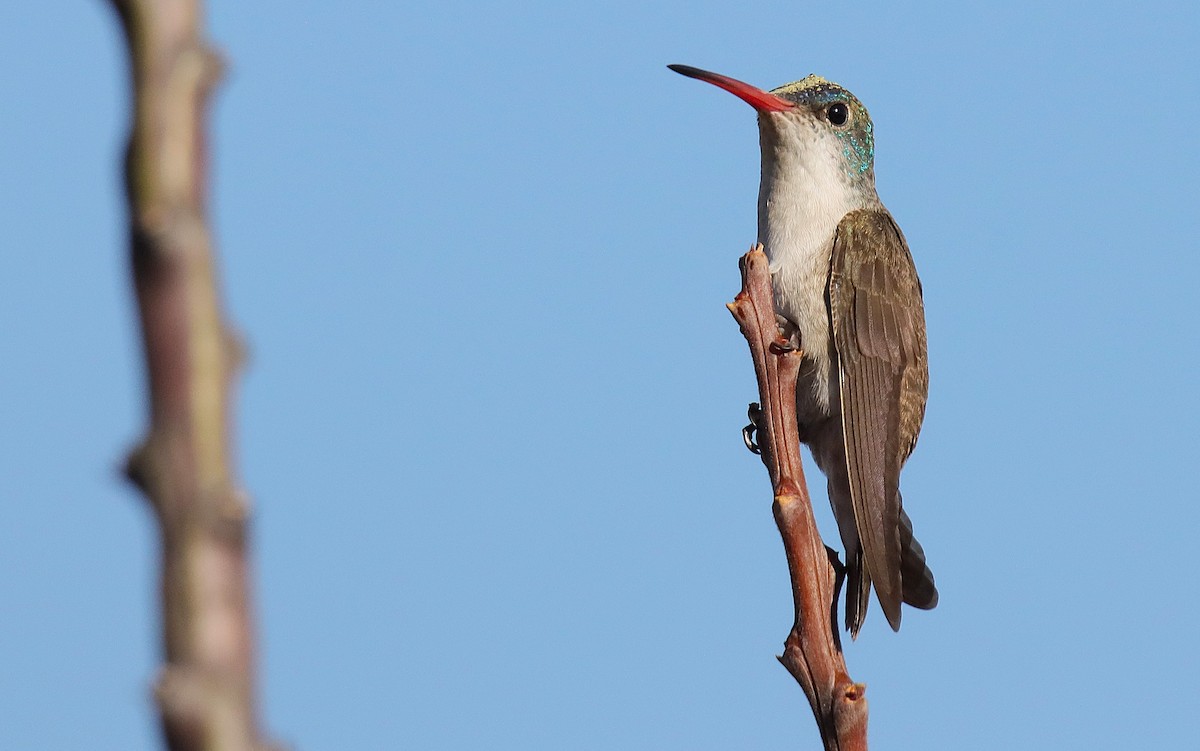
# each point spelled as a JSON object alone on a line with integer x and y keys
{"x": 848, "y": 297}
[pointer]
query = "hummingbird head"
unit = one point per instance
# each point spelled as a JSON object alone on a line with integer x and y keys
{"x": 812, "y": 119}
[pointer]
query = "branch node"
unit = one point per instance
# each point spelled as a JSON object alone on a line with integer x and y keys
{"x": 231, "y": 516}
{"x": 214, "y": 67}
{"x": 850, "y": 710}
{"x": 237, "y": 351}
{"x": 182, "y": 695}
{"x": 137, "y": 469}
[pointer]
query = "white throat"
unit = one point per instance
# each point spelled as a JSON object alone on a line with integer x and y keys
{"x": 804, "y": 193}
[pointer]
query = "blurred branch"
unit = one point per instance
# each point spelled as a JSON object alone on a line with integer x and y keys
{"x": 205, "y": 692}
{"x": 812, "y": 652}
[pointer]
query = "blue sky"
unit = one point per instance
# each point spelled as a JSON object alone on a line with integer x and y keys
{"x": 481, "y": 253}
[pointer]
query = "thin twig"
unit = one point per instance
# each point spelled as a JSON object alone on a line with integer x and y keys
{"x": 812, "y": 653}
{"x": 205, "y": 691}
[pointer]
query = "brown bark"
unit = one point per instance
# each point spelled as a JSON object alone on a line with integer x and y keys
{"x": 812, "y": 652}
{"x": 205, "y": 692}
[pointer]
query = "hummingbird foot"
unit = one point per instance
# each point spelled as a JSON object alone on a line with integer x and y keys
{"x": 748, "y": 433}
{"x": 789, "y": 332}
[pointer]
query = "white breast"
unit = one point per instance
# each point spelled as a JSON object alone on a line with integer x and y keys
{"x": 803, "y": 196}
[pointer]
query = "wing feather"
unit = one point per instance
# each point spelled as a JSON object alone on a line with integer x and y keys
{"x": 878, "y": 328}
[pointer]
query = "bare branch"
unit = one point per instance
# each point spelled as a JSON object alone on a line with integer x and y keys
{"x": 206, "y": 691}
{"x": 812, "y": 652}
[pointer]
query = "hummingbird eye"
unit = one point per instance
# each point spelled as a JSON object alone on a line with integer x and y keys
{"x": 838, "y": 113}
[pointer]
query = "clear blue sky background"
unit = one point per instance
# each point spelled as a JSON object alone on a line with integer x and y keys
{"x": 491, "y": 425}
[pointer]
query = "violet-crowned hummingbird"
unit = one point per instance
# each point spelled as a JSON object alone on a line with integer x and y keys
{"x": 847, "y": 291}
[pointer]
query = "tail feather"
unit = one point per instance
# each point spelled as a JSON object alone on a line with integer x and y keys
{"x": 915, "y": 576}
{"x": 858, "y": 593}
{"x": 916, "y": 583}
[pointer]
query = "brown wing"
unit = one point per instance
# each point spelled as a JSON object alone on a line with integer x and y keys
{"x": 879, "y": 333}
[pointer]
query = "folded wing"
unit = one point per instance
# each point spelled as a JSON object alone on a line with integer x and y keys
{"x": 879, "y": 334}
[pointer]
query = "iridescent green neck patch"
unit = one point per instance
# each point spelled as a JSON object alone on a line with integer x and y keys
{"x": 857, "y": 135}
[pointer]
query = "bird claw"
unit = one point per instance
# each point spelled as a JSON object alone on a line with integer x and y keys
{"x": 748, "y": 432}
{"x": 788, "y": 339}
